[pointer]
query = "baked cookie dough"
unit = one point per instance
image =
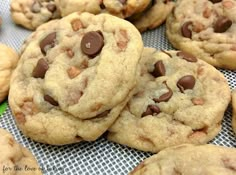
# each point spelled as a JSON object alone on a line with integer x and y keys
{"x": 154, "y": 16}
{"x": 32, "y": 13}
{"x": 234, "y": 110}
{"x": 8, "y": 61}
{"x": 74, "y": 77}
{"x": 15, "y": 159}
{"x": 179, "y": 99}
{"x": 206, "y": 29}
{"x": 190, "y": 160}
{"x": 120, "y": 8}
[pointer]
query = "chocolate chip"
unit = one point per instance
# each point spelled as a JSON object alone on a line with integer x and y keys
{"x": 51, "y": 7}
{"x": 50, "y": 100}
{"x": 186, "y": 32}
{"x": 48, "y": 42}
{"x": 92, "y": 43}
{"x": 102, "y": 6}
{"x": 165, "y": 97}
{"x": 186, "y": 56}
{"x": 159, "y": 69}
{"x": 123, "y": 1}
{"x": 222, "y": 24}
{"x": 215, "y": 1}
{"x": 151, "y": 109}
{"x": 40, "y": 69}
{"x": 186, "y": 82}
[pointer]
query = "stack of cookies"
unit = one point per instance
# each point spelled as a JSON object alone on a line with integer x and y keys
{"x": 144, "y": 14}
{"x": 87, "y": 74}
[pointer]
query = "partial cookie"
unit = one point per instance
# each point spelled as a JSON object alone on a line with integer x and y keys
{"x": 120, "y": 8}
{"x": 74, "y": 77}
{"x": 190, "y": 160}
{"x": 206, "y": 29}
{"x": 8, "y": 61}
{"x": 234, "y": 110}
{"x": 15, "y": 159}
{"x": 154, "y": 16}
{"x": 179, "y": 99}
{"x": 32, "y": 13}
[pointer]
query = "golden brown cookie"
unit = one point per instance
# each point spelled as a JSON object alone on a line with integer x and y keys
{"x": 15, "y": 159}
{"x": 178, "y": 99}
{"x": 205, "y": 29}
{"x": 74, "y": 77}
{"x": 32, "y": 13}
{"x": 8, "y": 61}
{"x": 190, "y": 160}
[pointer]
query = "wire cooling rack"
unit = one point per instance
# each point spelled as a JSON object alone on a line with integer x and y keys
{"x": 100, "y": 157}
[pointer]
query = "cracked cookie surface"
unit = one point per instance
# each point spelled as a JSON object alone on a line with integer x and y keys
{"x": 120, "y": 8}
{"x": 190, "y": 159}
{"x": 178, "y": 99}
{"x": 14, "y": 155}
{"x": 206, "y": 29}
{"x": 32, "y": 13}
{"x": 234, "y": 110}
{"x": 74, "y": 77}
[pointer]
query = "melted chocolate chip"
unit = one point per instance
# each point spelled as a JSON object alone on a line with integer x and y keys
{"x": 50, "y": 100}
{"x": 222, "y": 25}
{"x": 186, "y": 82}
{"x": 92, "y": 43}
{"x": 159, "y": 69}
{"x": 186, "y": 32}
{"x": 51, "y": 7}
{"x": 215, "y": 1}
{"x": 151, "y": 109}
{"x": 48, "y": 42}
{"x": 102, "y": 6}
{"x": 40, "y": 69}
{"x": 186, "y": 56}
{"x": 165, "y": 97}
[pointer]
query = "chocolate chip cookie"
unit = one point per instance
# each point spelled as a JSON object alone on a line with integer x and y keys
{"x": 74, "y": 77}
{"x": 120, "y": 8}
{"x": 234, "y": 110}
{"x": 205, "y": 28}
{"x": 178, "y": 99}
{"x": 191, "y": 160}
{"x": 8, "y": 61}
{"x": 154, "y": 16}
{"x": 32, "y": 13}
{"x": 15, "y": 159}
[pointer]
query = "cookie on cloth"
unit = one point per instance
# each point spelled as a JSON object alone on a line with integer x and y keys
{"x": 16, "y": 159}
{"x": 74, "y": 77}
{"x": 32, "y": 13}
{"x": 205, "y": 28}
{"x": 234, "y": 110}
{"x": 8, "y": 61}
{"x": 190, "y": 159}
{"x": 179, "y": 99}
{"x": 154, "y": 16}
{"x": 120, "y": 8}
